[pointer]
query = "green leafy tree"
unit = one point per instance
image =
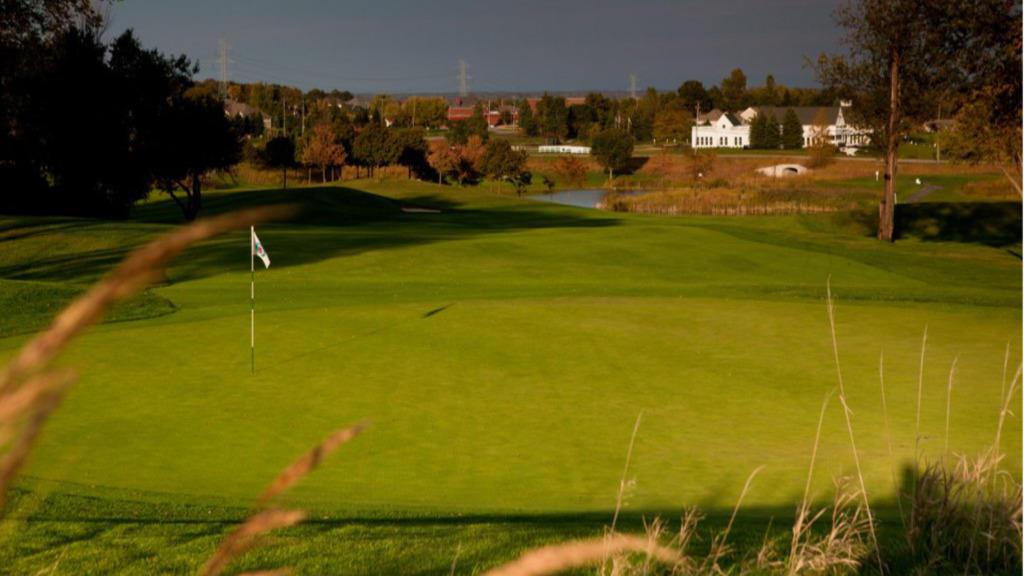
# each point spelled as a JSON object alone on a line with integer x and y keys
{"x": 521, "y": 180}
{"x": 500, "y": 162}
{"x": 792, "y": 131}
{"x": 672, "y": 124}
{"x": 734, "y": 90}
{"x": 900, "y": 51}
{"x": 412, "y": 150}
{"x": 692, "y": 93}
{"x": 198, "y": 139}
{"x": 376, "y": 146}
{"x": 527, "y": 121}
{"x": 613, "y": 150}
{"x": 553, "y": 117}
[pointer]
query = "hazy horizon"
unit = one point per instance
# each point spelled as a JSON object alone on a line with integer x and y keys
{"x": 405, "y": 47}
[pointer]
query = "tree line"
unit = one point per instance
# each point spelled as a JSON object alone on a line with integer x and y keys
{"x": 89, "y": 128}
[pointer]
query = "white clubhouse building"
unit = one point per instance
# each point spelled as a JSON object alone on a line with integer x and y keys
{"x": 718, "y": 129}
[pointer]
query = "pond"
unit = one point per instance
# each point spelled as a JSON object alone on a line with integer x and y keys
{"x": 578, "y": 198}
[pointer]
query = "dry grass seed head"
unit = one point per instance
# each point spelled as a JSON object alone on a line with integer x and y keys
{"x": 558, "y": 557}
{"x": 309, "y": 461}
{"x": 247, "y": 535}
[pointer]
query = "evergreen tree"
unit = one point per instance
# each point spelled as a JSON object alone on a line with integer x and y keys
{"x": 792, "y": 131}
{"x": 527, "y": 121}
{"x": 758, "y": 131}
{"x": 772, "y": 131}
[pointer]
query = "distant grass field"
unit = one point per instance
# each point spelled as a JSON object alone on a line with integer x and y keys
{"x": 502, "y": 349}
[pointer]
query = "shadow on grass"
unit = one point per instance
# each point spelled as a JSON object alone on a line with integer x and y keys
{"x": 988, "y": 223}
{"x": 335, "y": 221}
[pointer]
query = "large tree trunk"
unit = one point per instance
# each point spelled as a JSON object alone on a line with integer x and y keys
{"x": 195, "y": 199}
{"x": 887, "y": 209}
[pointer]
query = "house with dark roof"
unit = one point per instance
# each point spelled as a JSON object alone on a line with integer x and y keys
{"x": 727, "y": 130}
{"x": 234, "y": 109}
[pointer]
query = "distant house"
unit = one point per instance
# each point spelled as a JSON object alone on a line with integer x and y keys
{"x": 724, "y": 130}
{"x": 235, "y": 109}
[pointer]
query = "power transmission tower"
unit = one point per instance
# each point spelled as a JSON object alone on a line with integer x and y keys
{"x": 463, "y": 80}
{"x": 223, "y": 61}
{"x": 632, "y": 86}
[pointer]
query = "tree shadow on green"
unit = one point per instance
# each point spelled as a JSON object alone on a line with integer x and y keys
{"x": 333, "y": 222}
{"x": 988, "y": 223}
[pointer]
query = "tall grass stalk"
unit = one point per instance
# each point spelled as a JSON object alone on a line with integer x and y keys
{"x": 1006, "y": 408}
{"x": 1002, "y": 382}
{"x": 625, "y": 471}
{"x": 949, "y": 397}
{"x": 888, "y": 440}
{"x": 719, "y": 548}
{"x": 849, "y": 423}
{"x": 920, "y": 386}
{"x": 800, "y": 524}
{"x": 455, "y": 560}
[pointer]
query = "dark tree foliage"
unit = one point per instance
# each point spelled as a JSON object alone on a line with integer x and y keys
{"x": 527, "y": 121}
{"x": 197, "y": 139}
{"x": 280, "y": 153}
{"x": 412, "y": 153}
{"x": 759, "y": 131}
{"x": 792, "y": 131}
{"x": 902, "y": 53}
{"x": 24, "y": 22}
{"x": 613, "y": 149}
{"x": 692, "y": 94}
{"x": 89, "y": 129}
{"x": 460, "y": 131}
{"x": 772, "y": 131}
{"x": 734, "y": 91}
{"x": 500, "y": 162}
{"x": 376, "y": 146}
{"x": 553, "y": 118}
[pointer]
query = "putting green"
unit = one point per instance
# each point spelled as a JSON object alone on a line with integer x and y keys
{"x": 503, "y": 350}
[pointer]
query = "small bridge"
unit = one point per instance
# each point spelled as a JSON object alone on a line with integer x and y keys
{"x": 783, "y": 170}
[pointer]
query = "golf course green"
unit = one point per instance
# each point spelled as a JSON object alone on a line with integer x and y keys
{"x": 502, "y": 350}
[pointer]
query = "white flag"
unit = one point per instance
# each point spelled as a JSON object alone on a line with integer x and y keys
{"x": 258, "y": 250}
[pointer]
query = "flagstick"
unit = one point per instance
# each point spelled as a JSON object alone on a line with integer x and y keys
{"x": 252, "y": 300}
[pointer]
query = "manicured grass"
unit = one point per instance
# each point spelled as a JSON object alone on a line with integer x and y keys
{"x": 502, "y": 349}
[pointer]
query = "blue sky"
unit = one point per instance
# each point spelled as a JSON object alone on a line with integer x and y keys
{"x": 406, "y": 46}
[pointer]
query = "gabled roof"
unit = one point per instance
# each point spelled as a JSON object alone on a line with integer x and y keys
{"x": 233, "y": 108}
{"x": 711, "y": 116}
{"x": 733, "y": 119}
{"x": 806, "y": 114}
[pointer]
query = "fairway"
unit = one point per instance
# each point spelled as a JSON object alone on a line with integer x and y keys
{"x": 503, "y": 349}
